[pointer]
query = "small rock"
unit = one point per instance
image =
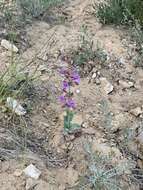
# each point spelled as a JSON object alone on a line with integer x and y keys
{"x": 43, "y": 68}
{"x": 121, "y": 61}
{"x": 85, "y": 125}
{"x": 30, "y": 184}
{"x": 125, "y": 84}
{"x": 43, "y": 57}
{"x": 106, "y": 85}
{"x": 44, "y": 78}
{"x": 32, "y": 171}
{"x": 98, "y": 73}
{"x": 97, "y": 81}
{"x": 15, "y": 106}
{"x": 106, "y": 55}
{"x": 94, "y": 76}
{"x": 7, "y": 45}
{"x": 17, "y": 173}
{"x": 140, "y": 163}
{"x": 136, "y": 111}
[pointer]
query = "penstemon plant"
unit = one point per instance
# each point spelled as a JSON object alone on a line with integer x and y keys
{"x": 70, "y": 79}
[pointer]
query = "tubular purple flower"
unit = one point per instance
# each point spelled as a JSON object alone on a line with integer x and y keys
{"x": 75, "y": 77}
{"x": 65, "y": 86}
{"x": 62, "y": 99}
{"x": 63, "y": 71}
{"x": 70, "y": 103}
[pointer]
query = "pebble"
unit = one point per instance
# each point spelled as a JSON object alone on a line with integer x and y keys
{"x": 136, "y": 111}
{"x": 32, "y": 171}
{"x": 106, "y": 85}
{"x": 94, "y": 76}
{"x": 9, "y": 46}
{"x": 15, "y": 106}
{"x": 125, "y": 84}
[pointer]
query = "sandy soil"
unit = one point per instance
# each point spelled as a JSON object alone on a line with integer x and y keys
{"x": 104, "y": 116}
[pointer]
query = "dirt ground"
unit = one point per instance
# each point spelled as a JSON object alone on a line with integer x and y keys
{"x": 104, "y": 116}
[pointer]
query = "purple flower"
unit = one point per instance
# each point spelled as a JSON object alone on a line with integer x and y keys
{"x": 70, "y": 77}
{"x": 65, "y": 86}
{"x": 62, "y": 99}
{"x": 75, "y": 77}
{"x": 70, "y": 103}
{"x": 67, "y": 102}
{"x": 63, "y": 71}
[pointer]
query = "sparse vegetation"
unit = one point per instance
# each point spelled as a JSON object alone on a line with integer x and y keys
{"x": 35, "y": 8}
{"x": 15, "y": 82}
{"x": 120, "y": 12}
{"x": 127, "y": 12}
{"x": 85, "y": 52}
{"x": 101, "y": 174}
{"x": 137, "y": 36}
{"x": 85, "y": 56}
{"x": 87, "y": 91}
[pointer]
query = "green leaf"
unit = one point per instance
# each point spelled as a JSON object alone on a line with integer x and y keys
{"x": 66, "y": 124}
{"x": 70, "y": 115}
{"x": 75, "y": 126}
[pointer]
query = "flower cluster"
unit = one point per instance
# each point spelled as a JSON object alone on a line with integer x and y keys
{"x": 70, "y": 78}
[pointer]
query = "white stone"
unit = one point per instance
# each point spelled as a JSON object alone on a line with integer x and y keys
{"x": 43, "y": 57}
{"x": 42, "y": 68}
{"x": 94, "y": 75}
{"x": 32, "y": 171}
{"x": 7, "y": 45}
{"x": 125, "y": 84}
{"x": 106, "y": 85}
{"x": 121, "y": 61}
{"x": 136, "y": 111}
{"x": 15, "y": 106}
